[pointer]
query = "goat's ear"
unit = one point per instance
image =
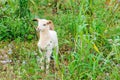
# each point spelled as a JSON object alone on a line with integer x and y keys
{"x": 51, "y": 25}
{"x": 36, "y": 19}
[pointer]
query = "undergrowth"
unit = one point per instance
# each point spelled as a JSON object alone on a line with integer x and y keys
{"x": 88, "y": 33}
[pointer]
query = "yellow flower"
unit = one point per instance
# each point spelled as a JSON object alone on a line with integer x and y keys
{"x": 96, "y": 48}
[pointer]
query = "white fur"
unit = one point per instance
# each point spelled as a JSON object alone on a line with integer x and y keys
{"x": 47, "y": 42}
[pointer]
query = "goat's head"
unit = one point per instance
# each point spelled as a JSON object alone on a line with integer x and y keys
{"x": 44, "y": 24}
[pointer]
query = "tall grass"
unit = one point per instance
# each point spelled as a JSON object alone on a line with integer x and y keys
{"x": 89, "y": 40}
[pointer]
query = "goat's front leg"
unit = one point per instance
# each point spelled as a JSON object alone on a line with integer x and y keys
{"x": 41, "y": 60}
{"x": 48, "y": 54}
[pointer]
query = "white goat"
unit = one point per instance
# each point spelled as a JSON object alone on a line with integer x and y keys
{"x": 47, "y": 42}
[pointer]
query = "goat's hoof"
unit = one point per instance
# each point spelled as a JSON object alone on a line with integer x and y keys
{"x": 47, "y": 71}
{"x": 42, "y": 68}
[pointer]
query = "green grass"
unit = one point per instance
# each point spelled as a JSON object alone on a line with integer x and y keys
{"x": 88, "y": 33}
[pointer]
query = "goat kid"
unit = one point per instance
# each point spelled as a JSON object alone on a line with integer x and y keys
{"x": 47, "y": 42}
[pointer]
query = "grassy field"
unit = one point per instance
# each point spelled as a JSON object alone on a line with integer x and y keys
{"x": 88, "y": 33}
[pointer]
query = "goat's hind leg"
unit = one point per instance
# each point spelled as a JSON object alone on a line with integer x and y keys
{"x": 48, "y": 55}
{"x": 56, "y": 55}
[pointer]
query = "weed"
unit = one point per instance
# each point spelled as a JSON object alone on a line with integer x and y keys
{"x": 88, "y": 32}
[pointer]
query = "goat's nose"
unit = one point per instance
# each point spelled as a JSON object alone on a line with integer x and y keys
{"x": 38, "y": 29}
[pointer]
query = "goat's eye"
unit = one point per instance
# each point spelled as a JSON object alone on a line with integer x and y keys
{"x": 44, "y": 24}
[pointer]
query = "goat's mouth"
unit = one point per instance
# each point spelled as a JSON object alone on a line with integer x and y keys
{"x": 39, "y": 30}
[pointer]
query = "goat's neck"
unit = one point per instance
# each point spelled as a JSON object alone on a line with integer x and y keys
{"x": 44, "y": 35}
